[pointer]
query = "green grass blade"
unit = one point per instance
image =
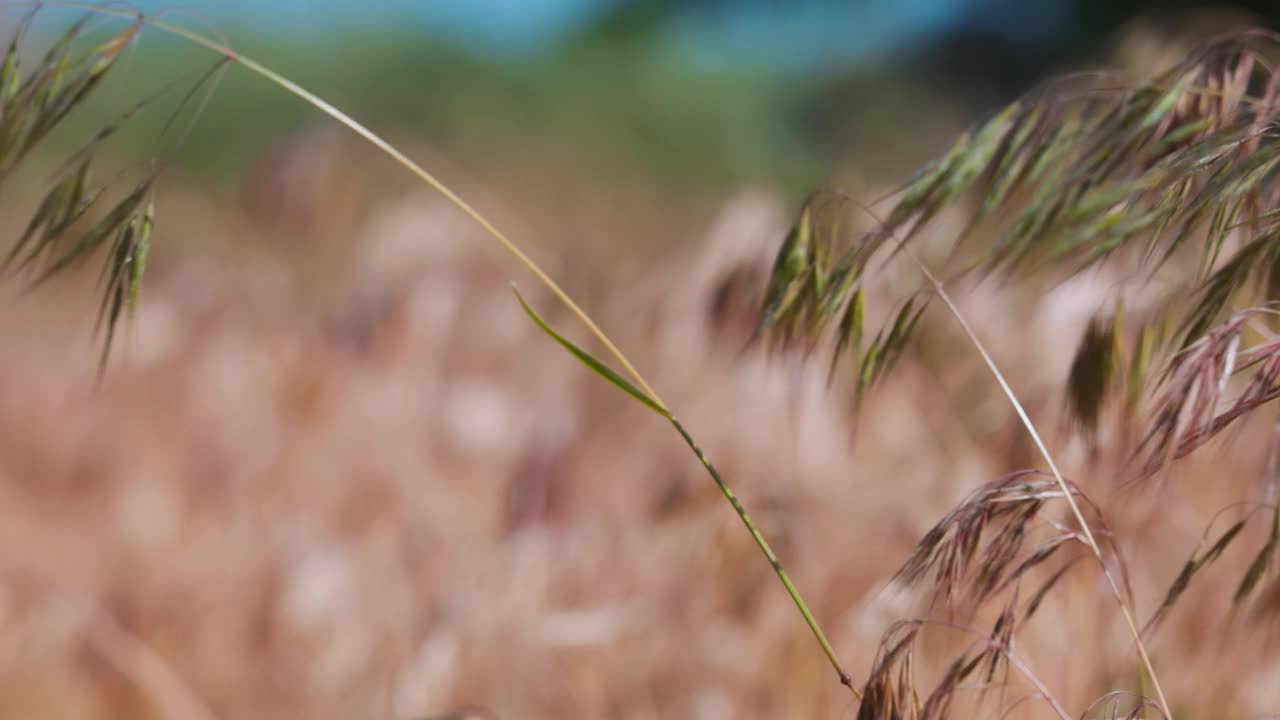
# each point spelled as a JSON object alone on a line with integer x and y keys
{"x": 586, "y": 358}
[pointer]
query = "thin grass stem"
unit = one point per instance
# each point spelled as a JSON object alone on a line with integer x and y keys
{"x": 390, "y": 150}
{"x": 1062, "y": 482}
{"x": 765, "y": 548}
{"x": 511, "y": 247}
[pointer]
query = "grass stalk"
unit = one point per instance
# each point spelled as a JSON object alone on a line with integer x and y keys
{"x": 1085, "y": 530}
{"x": 512, "y": 248}
{"x": 387, "y": 148}
{"x": 732, "y": 497}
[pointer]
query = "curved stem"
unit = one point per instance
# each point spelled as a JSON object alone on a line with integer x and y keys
{"x": 417, "y": 170}
{"x": 765, "y": 548}
{"x": 1085, "y": 530}
{"x": 1035, "y": 680}
{"x": 1015, "y": 661}
{"x": 390, "y": 150}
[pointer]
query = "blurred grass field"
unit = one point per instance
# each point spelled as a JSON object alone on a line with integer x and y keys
{"x": 334, "y": 472}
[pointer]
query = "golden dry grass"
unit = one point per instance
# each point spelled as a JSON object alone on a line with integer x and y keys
{"x": 348, "y": 478}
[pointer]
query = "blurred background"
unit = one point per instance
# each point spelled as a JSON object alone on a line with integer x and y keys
{"x": 334, "y": 472}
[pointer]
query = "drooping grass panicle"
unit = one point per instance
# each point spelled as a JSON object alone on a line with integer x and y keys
{"x": 994, "y": 538}
{"x": 816, "y": 294}
{"x": 65, "y": 229}
{"x": 1109, "y": 707}
{"x": 1192, "y": 403}
{"x": 1201, "y": 558}
{"x": 892, "y": 691}
{"x": 1079, "y": 171}
{"x": 1085, "y": 533}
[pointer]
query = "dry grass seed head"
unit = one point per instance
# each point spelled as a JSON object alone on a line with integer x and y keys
{"x": 1084, "y": 166}
{"x": 1192, "y": 404}
{"x": 982, "y": 547}
{"x": 891, "y": 690}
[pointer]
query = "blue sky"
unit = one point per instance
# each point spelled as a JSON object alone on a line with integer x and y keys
{"x": 805, "y": 32}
